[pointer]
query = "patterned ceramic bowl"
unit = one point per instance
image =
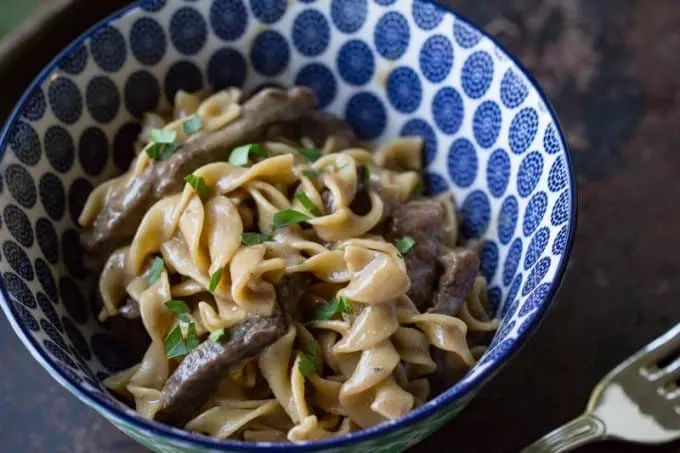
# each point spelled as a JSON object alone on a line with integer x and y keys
{"x": 390, "y": 68}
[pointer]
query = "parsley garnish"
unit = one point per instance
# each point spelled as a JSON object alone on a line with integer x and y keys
{"x": 192, "y": 124}
{"x": 215, "y": 280}
{"x": 179, "y": 308}
{"x": 288, "y": 217}
{"x": 367, "y": 173}
{"x": 157, "y": 267}
{"x": 405, "y": 244}
{"x": 163, "y": 136}
{"x": 255, "y": 238}
{"x": 419, "y": 189}
{"x": 177, "y": 346}
{"x": 324, "y": 312}
{"x": 198, "y": 184}
{"x": 308, "y": 204}
{"x": 311, "y": 154}
{"x": 242, "y": 154}
{"x": 311, "y": 173}
{"x": 216, "y": 335}
{"x": 310, "y": 360}
{"x": 160, "y": 151}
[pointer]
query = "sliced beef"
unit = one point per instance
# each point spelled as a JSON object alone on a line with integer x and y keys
{"x": 126, "y": 206}
{"x": 200, "y": 371}
{"x": 460, "y": 268}
{"x": 421, "y": 219}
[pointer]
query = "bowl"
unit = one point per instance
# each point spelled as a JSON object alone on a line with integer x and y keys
{"x": 389, "y": 68}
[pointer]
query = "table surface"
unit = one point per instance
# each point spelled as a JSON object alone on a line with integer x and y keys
{"x": 611, "y": 69}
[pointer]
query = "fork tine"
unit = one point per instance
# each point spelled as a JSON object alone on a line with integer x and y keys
{"x": 661, "y": 347}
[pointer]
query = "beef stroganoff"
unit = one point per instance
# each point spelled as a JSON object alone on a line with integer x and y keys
{"x": 277, "y": 279}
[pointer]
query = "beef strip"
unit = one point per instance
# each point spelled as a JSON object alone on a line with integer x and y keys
{"x": 421, "y": 219}
{"x": 460, "y": 268}
{"x": 200, "y": 371}
{"x": 126, "y": 206}
{"x": 290, "y": 290}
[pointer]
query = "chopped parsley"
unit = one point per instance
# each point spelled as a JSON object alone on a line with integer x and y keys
{"x": 163, "y": 136}
{"x": 308, "y": 204}
{"x": 310, "y": 359}
{"x": 192, "y": 124}
{"x": 240, "y": 156}
{"x": 324, "y": 312}
{"x": 311, "y": 173}
{"x": 157, "y": 268}
{"x": 175, "y": 343}
{"x": 198, "y": 183}
{"x": 405, "y": 244}
{"x": 216, "y": 335}
{"x": 288, "y": 217}
{"x": 160, "y": 151}
{"x": 419, "y": 189}
{"x": 311, "y": 154}
{"x": 215, "y": 280}
{"x": 255, "y": 238}
{"x": 179, "y": 308}
{"x": 367, "y": 173}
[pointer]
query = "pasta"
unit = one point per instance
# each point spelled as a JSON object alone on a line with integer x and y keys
{"x": 293, "y": 289}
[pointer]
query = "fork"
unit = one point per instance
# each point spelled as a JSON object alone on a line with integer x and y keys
{"x": 638, "y": 401}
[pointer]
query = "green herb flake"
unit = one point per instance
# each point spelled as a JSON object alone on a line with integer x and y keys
{"x": 288, "y": 217}
{"x": 198, "y": 184}
{"x": 310, "y": 360}
{"x": 311, "y": 173}
{"x": 192, "y": 124}
{"x": 308, "y": 204}
{"x": 216, "y": 335}
{"x": 311, "y": 154}
{"x": 215, "y": 280}
{"x": 367, "y": 173}
{"x": 163, "y": 136}
{"x": 255, "y": 238}
{"x": 325, "y": 312}
{"x": 157, "y": 268}
{"x": 192, "y": 341}
{"x": 241, "y": 155}
{"x": 307, "y": 366}
{"x": 419, "y": 189}
{"x": 179, "y": 308}
{"x": 405, "y": 244}
{"x": 160, "y": 151}
{"x": 174, "y": 343}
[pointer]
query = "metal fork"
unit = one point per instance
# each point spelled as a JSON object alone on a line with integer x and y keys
{"x": 638, "y": 401}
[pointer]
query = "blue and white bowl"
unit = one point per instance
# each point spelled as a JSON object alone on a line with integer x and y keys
{"x": 390, "y": 68}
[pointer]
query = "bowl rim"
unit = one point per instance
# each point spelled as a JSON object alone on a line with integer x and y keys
{"x": 175, "y": 435}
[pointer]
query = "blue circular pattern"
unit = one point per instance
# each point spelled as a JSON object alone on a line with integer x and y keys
{"x": 498, "y": 172}
{"x": 53, "y": 333}
{"x": 107, "y": 46}
{"x": 26, "y": 318}
{"x": 523, "y": 130}
{"x": 18, "y": 225}
{"x": 392, "y": 35}
{"x": 466, "y": 36}
{"x": 147, "y": 41}
{"x": 268, "y": 11}
{"x": 530, "y": 171}
{"x": 477, "y": 74}
{"x": 227, "y": 68}
{"x": 35, "y": 105}
{"x": 60, "y": 355}
{"x": 42, "y": 270}
{"x": 499, "y": 351}
{"x": 486, "y": 124}
{"x": 188, "y": 31}
{"x": 228, "y": 19}
{"x": 366, "y": 114}
{"x": 18, "y": 290}
{"x": 436, "y": 58}
{"x": 183, "y": 75}
{"x": 512, "y": 261}
{"x": 355, "y": 61}
{"x": 311, "y": 33}
{"x": 551, "y": 142}
{"x": 76, "y": 339}
{"x": 513, "y": 90}
{"x": 65, "y": 100}
{"x": 349, "y": 15}
{"x": 102, "y": 99}
{"x": 503, "y": 331}
{"x": 124, "y": 145}
{"x": 383, "y": 2}
{"x": 270, "y": 54}
{"x": 404, "y": 90}
{"x": 533, "y": 215}
{"x": 47, "y": 240}
{"x": 73, "y": 300}
{"x": 535, "y": 300}
{"x": 536, "y": 275}
{"x": 462, "y": 162}
{"x": 536, "y": 247}
{"x": 528, "y": 321}
{"x": 511, "y": 303}
{"x": 52, "y": 195}
{"x": 420, "y": 128}
{"x": 18, "y": 259}
{"x": 435, "y": 183}
{"x": 93, "y": 150}
{"x": 59, "y": 148}
{"x": 560, "y": 242}
{"x": 447, "y": 110}
{"x": 153, "y": 5}
{"x": 426, "y": 15}
{"x": 320, "y": 79}
{"x": 489, "y": 260}
{"x": 141, "y": 93}
{"x": 507, "y": 219}
{"x": 76, "y": 60}
{"x": 557, "y": 177}
{"x": 560, "y": 212}
{"x": 495, "y": 299}
{"x": 77, "y": 196}
{"x": 25, "y": 143}
{"x": 20, "y": 185}
{"x": 475, "y": 213}
{"x": 48, "y": 310}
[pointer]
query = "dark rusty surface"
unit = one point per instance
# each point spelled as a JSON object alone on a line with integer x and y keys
{"x": 611, "y": 68}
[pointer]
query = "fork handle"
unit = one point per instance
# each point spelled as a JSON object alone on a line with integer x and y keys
{"x": 583, "y": 430}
